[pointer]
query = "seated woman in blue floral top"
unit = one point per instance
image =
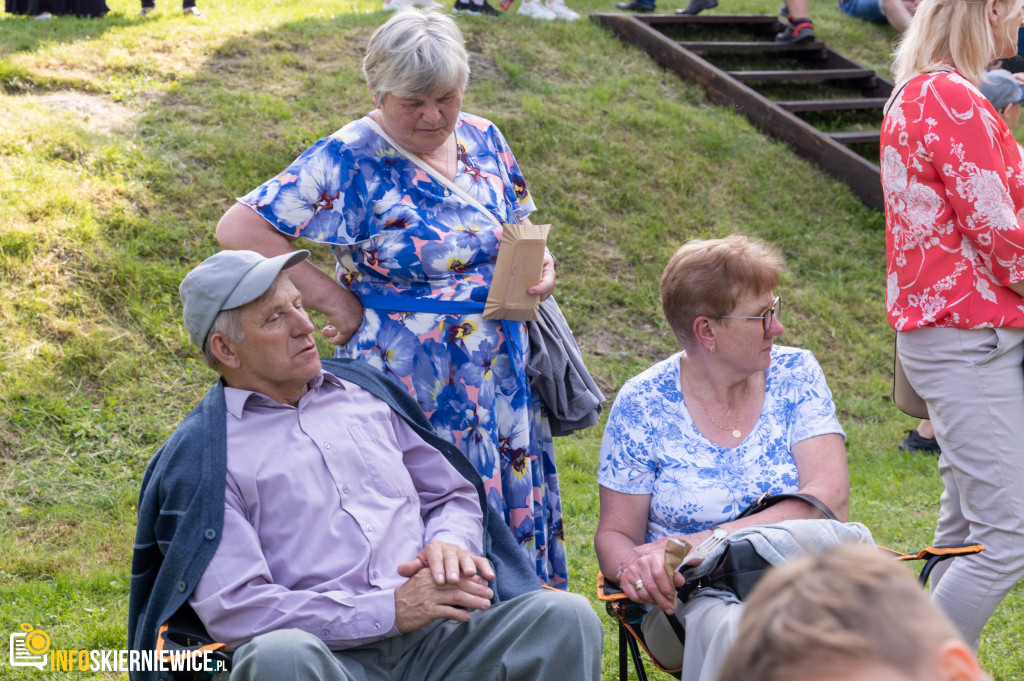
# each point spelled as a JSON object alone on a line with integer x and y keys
{"x": 698, "y": 437}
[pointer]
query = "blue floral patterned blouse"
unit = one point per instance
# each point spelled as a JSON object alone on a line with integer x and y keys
{"x": 651, "y": 445}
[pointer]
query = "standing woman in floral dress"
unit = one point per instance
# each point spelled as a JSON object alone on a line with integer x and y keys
{"x": 954, "y": 200}
{"x": 415, "y": 261}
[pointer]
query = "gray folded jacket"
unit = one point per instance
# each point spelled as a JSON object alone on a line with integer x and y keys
{"x": 557, "y": 373}
{"x": 781, "y": 542}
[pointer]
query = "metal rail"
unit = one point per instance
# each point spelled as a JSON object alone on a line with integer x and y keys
{"x": 864, "y": 90}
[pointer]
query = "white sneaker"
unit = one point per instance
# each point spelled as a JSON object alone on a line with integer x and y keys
{"x": 535, "y": 9}
{"x": 394, "y": 5}
{"x": 558, "y": 8}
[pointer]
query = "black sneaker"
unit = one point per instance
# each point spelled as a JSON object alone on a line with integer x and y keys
{"x": 913, "y": 442}
{"x": 698, "y": 6}
{"x": 796, "y": 33}
{"x": 467, "y": 7}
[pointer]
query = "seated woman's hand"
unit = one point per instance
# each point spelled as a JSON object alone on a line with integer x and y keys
{"x": 643, "y": 578}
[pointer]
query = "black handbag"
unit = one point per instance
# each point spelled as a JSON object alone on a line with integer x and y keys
{"x": 740, "y": 567}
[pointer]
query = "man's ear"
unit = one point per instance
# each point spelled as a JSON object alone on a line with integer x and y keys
{"x": 955, "y": 661}
{"x": 223, "y": 348}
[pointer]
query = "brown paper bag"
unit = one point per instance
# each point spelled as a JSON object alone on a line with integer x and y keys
{"x": 676, "y": 552}
{"x": 519, "y": 265}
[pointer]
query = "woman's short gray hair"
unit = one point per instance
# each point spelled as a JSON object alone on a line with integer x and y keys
{"x": 416, "y": 52}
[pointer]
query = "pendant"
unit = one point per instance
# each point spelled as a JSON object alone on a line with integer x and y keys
{"x": 736, "y": 433}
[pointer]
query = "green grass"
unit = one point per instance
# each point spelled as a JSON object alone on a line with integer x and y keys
{"x": 124, "y": 139}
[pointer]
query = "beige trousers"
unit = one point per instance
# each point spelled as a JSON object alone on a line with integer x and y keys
{"x": 710, "y": 625}
{"x": 973, "y": 383}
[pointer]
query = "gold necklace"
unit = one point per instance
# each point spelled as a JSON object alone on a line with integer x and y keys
{"x": 735, "y": 431}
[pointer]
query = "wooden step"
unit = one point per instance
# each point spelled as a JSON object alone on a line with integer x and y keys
{"x": 731, "y": 21}
{"x": 855, "y": 136}
{"x": 664, "y": 41}
{"x": 833, "y": 104}
{"x": 805, "y": 75}
{"x": 754, "y": 47}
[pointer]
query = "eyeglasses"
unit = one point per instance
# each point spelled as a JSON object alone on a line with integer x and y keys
{"x": 766, "y": 317}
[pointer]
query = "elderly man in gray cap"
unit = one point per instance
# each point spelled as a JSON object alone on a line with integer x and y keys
{"x": 305, "y": 512}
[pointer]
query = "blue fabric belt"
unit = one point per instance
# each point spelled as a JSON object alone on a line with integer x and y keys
{"x": 512, "y": 329}
{"x": 400, "y": 304}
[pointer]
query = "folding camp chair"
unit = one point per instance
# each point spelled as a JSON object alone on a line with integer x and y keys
{"x": 627, "y": 614}
{"x": 184, "y": 634}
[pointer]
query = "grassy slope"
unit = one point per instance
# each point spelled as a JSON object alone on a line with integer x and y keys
{"x": 123, "y": 140}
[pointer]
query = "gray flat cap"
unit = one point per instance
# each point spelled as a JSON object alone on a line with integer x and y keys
{"x": 1001, "y": 88}
{"x": 227, "y": 280}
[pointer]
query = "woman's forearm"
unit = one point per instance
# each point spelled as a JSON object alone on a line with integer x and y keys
{"x": 243, "y": 228}
{"x": 611, "y": 547}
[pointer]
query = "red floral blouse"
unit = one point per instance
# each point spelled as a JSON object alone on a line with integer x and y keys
{"x": 954, "y": 206}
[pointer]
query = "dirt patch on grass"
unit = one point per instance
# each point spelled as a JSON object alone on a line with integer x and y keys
{"x": 98, "y": 113}
{"x": 483, "y": 67}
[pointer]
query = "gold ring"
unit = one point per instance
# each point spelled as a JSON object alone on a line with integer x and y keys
{"x": 638, "y": 584}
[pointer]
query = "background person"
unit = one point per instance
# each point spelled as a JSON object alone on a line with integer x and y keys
{"x": 188, "y": 8}
{"x": 954, "y": 185}
{"x": 1004, "y": 91}
{"x": 548, "y": 10}
{"x": 318, "y": 527}
{"x": 47, "y": 9}
{"x": 799, "y": 27}
{"x": 395, "y": 5}
{"x": 896, "y": 13}
{"x": 421, "y": 259}
{"x": 921, "y": 439}
{"x": 698, "y": 437}
{"x": 848, "y": 614}
{"x": 478, "y": 7}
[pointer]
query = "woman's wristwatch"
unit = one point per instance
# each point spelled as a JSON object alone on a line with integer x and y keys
{"x": 704, "y": 549}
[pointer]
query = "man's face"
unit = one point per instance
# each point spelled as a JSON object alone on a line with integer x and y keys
{"x": 277, "y": 356}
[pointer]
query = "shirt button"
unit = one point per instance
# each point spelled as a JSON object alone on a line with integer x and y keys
{"x": 376, "y": 625}
{"x": 325, "y": 633}
{"x": 210, "y": 534}
{"x": 369, "y": 528}
{"x": 376, "y": 574}
{"x": 181, "y": 587}
{"x": 327, "y": 445}
{"x": 345, "y": 489}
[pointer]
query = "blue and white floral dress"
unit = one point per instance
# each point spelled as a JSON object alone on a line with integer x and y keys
{"x": 421, "y": 259}
{"x": 651, "y": 445}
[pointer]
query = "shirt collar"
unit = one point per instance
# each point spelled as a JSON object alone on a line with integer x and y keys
{"x": 236, "y": 399}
